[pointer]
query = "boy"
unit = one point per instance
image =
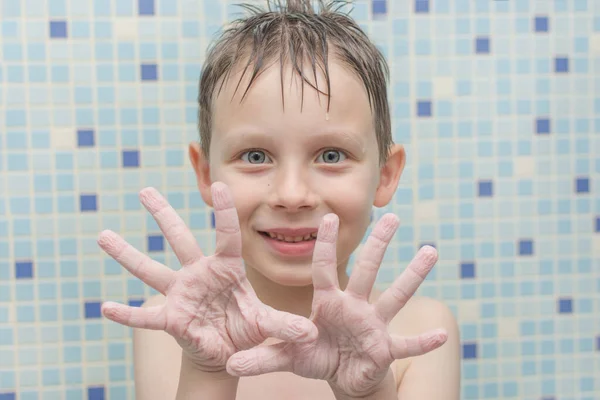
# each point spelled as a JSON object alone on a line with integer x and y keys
{"x": 293, "y": 175}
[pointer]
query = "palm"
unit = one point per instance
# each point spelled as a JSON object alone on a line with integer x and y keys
{"x": 354, "y": 350}
{"x": 210, "y": 307}
{"x": 352, "y": 341}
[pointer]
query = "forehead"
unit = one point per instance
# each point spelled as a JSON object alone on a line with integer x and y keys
{"x": 278, "y": 95}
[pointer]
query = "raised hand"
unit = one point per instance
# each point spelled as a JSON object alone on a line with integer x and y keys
{"x": 354, "y": 350}
{"x": 210, "y": 308}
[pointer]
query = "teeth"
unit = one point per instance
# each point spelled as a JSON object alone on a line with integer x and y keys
{"x": 292, "y": 239}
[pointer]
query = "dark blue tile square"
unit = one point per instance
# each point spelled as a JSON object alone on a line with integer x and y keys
{"x": 8, "y": 396}
{"x": 542, "y": 125}
{"x": 486, "y": 188}
{"x": 136, "y": 302}
{"x": 561, "y": 65}
{"x": 149, "y": 72}
{"x": 541, "y": 24}
{"x": 212, "y": 219}
{"x": 146, "y": 7}
{"x": 424, "y": 108}
{"x": 482, "y": 45}
{"x": 85, "y": 138}
{"x": 379, "y": 7}
{"x": 96, "y": 393}
{"x": 469, "y": 351}
{"x": 597, "y": 224}
{"x": 598, "y": 343}
{"x": 156, "y": 243}
{"x": 24, "y": 269}
{"x": 582, "y": 185}
{"x": 58, "y": 29}
{"x": 131, "y": 158}
{"x": 88, "y": 202}
{"x": 565, "y": 306}
{"x": 525, "y": 247}
{"x": 467, "y": 270}
{"x": 422, "y": 6}
{"x": 92, "y": 309}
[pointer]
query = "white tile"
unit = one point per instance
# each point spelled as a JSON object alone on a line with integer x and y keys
{"x": 63, "y": 138}
{"x": 443, "y": 86}
{"x": 468, "y": 310}
{"x": 596, "y": 242}
{"x": 524, "y": 167}
{"x": 508, "y": 328}
{"x": 126, "y": 28}
{"x": 595, "y": 43}
{"x": 426, "y": 211}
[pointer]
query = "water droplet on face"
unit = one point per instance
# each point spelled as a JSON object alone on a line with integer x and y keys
{"x": 327, "y": 116}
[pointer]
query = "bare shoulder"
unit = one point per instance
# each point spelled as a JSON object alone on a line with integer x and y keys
{"x": 156, "y": 360}
{"x": 419, "y": 315}
{"x": 422, "y": 313}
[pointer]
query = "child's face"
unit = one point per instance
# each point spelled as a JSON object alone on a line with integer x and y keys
{"x": 288, "y": 168}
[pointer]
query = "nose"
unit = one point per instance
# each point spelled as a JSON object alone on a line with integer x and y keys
{"x": 292, "y": 191}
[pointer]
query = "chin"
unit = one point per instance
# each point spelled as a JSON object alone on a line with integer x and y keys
{"x": 294, "y": 276}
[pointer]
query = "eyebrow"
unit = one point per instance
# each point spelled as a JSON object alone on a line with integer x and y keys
{"x": 235, "y": 140}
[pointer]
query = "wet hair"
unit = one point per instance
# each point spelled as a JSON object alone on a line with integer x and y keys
{"x": 294, "y": 33}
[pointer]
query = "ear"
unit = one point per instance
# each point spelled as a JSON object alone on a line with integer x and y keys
{"x": 390, "y": 175}
{"x": 202, "y": 170}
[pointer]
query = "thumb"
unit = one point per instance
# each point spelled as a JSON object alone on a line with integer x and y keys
{"x": 260, "y": 360}
{"x": 285, "y": 326}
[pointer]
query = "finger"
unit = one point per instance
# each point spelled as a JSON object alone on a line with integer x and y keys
{"x": 403, "y": 347}
{"x": 365, "y": 272}
{"x": 395, "y": 297}
{"x": 178, "y": 235}
{"x": 135, "y": 317}
{"x": 149, "y": 271}
{"x": 227, "y": 224}
{"x": 324, "y": 264}
{"x": 285, "y": 326}
{"x": 260, "y": 360}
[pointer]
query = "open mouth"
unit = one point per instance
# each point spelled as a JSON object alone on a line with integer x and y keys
{"x": 290, "y": 239}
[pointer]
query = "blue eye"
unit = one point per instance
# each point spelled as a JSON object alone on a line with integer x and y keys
{"x": 332, "y": 156}
{"x": 254, "y": 156}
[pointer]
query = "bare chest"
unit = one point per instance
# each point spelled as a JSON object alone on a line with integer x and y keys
{"x": 282, "y": 385}
{"x": 285, "y": 385}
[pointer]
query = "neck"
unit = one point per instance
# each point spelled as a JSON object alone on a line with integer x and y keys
{"x": 293, "y": 299}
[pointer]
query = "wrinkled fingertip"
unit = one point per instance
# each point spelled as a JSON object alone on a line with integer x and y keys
{"x": 429, "y": 252}
{"x": 312, "y": 334}
{"x": 235, "y": 366}
{"x": 106, "y": 238}
{"x": 305, "y": 332}
{"x": 109, "y": 309}
{"x": 230, "y": 370}
{"x": 328, "y": 228}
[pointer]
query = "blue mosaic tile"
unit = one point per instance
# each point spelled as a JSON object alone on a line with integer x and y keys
{"x": 24, "y": 269}
{"x": 422, "y": 6}
{"x": 156, "y": 243}
{"x": 541, "y": 24}
{"x": 95, "y": 393}
{"x": 149, "y": 72}
{"x": 58, "y": 29}
{"x": 92, "y": 310}
{"x": 131, "y": 158}
{"x": 146, "y": 7}
{"x": 379, "y": 6}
